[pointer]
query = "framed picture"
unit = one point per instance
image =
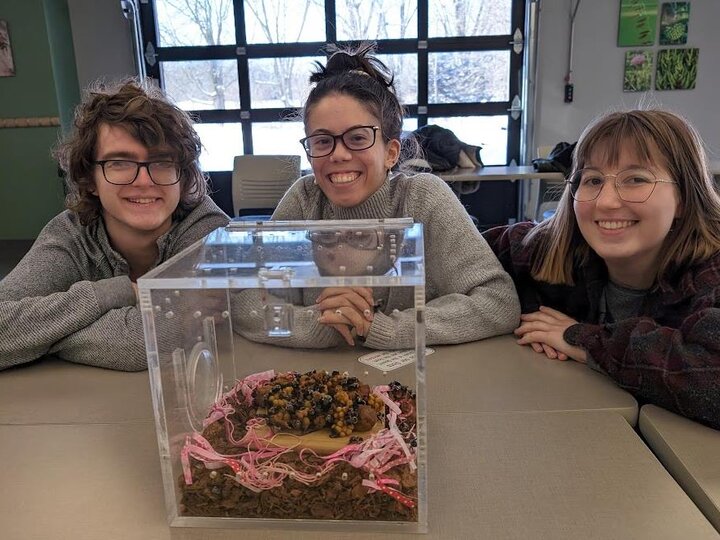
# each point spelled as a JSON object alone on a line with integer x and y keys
{"x": 638, "y": 70}
{"x": 638, "y": 20}
{"x": 676, "y": 69}
{"x": 674, "y": 17}
{"x": 7, "y": 67}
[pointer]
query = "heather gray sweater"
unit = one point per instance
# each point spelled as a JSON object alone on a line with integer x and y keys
{"x": 71, "y": 294}
{"x": 468, "y": 294}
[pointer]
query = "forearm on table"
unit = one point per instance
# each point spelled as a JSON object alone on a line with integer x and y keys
{"x": 32, "y": 326}
{"x": 673, "y": 368}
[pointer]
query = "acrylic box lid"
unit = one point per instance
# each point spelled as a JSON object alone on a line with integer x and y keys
{"x": 289, "y": 254}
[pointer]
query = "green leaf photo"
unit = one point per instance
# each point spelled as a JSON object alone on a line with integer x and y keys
{"x": 638, "y": 20}
{"x": 676, "y": 69}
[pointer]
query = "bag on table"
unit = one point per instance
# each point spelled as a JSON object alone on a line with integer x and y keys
{"x": 443, "y": 151}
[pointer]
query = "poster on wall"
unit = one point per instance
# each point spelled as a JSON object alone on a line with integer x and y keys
{"x": 638, "y": 20}
{"x": 676, "y": 69}
{"x": 674, "y": 18}
{"x": 7, "y": 67}
{"x": 638, "y": 71}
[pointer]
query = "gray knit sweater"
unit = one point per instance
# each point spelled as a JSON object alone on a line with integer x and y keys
{"x": 468, "y": 294}
{"x": 71, "y": 294}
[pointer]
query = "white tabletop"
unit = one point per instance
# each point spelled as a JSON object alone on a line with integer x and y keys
{"x": 520, "y": 447}
{"x": 690, "y": 451}
{"x": 498, "y": 375}
{"x": 53, "y": 391}
{"x": 514, "y": 475}
{"x": 493, "y": 375}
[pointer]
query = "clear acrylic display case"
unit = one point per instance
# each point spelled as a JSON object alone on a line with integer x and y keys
{"x": 265, "y": 415}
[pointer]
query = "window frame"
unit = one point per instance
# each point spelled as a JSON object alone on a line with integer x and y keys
{"x": 422, "y": 46}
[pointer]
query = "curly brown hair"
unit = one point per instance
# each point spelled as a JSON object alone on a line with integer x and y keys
{"x": 141, "y": 108}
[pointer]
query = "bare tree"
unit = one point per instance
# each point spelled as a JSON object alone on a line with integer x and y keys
{"x": 368, "y": 20}
{"x": 457, "y": 78}
{"x": 269, "y": 15}
{"x": 207, "y": 19}
{"x": 471, "y": 17}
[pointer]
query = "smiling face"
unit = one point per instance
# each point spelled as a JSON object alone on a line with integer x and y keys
{"x": 140, "y": 209}
{"x": 355, "y": 252}
{"x": 349, "y": 177}
{"x": 628, "y": 236}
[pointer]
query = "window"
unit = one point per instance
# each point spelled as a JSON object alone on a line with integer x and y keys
{"x": 241, "y": 67}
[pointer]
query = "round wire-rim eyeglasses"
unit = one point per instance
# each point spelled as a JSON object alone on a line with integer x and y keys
{"x": 162, "y": 173}
{"x": 363, "y": 143}
{"x": 632, "y": 185}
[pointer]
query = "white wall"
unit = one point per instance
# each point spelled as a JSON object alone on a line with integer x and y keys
{"x": 598, "y": 65}
{"x": 102, "y": 40}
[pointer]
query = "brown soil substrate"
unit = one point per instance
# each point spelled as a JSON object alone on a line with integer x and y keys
{"x": 332, "y": 497}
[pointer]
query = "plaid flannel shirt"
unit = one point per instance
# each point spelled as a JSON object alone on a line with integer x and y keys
{"x": 668, "y": 355}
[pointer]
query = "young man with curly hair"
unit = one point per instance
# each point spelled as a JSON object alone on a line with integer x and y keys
{"x": 136, "y": 197}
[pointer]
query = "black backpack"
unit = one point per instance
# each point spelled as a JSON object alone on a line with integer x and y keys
{"x": 559, "y": 159}
{"x": 441, "y": 149}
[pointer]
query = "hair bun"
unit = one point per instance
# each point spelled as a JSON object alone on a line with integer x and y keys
{"x": 358, "y": 61}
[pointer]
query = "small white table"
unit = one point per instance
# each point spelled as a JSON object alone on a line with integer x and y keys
{"x": 528, "y": 196}
{"x": 690, "y": 452}
{"x": 501, "y": 172}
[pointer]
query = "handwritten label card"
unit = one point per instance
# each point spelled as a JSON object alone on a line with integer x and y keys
{"x": 389, "y": 360}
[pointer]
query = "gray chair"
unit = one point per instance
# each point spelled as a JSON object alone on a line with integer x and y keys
{"x": 259, "y": 182}
{"x": 547, "y": 193}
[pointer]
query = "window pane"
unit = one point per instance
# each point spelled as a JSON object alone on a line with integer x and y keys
{"x": 279, "y": 138}
{"x": 284, "y": 21}
{"x": 409, "y": 124}
{"x": 377, "y": 19}
{"x": 183, "y": 23}
{"x": 221, "y": 143}
{"x": 280, "y": 82}
{"x": 202, "y": 84}
{"x": 490, "y": 132}
{"x": 451, "y": 18}
{"x": 405, "y": 69}
{"x": 466, "y": 77}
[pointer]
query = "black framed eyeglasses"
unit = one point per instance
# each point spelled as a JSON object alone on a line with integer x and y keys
{"x": 632, "y": 185}
{"x": 122, "y": 172}
{"x": 356, "y": 138}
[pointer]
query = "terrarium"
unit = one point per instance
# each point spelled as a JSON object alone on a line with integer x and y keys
{"x": 286, "y": 363}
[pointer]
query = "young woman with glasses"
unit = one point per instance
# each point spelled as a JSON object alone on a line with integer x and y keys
{"x": 352, "y": 123}
{"x": 136, "y": 197}
{"x": 626, "y": 275}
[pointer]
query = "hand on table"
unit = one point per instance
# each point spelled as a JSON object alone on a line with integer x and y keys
{"x": 543, "y": 330}
{"x": 347, "y": 309}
